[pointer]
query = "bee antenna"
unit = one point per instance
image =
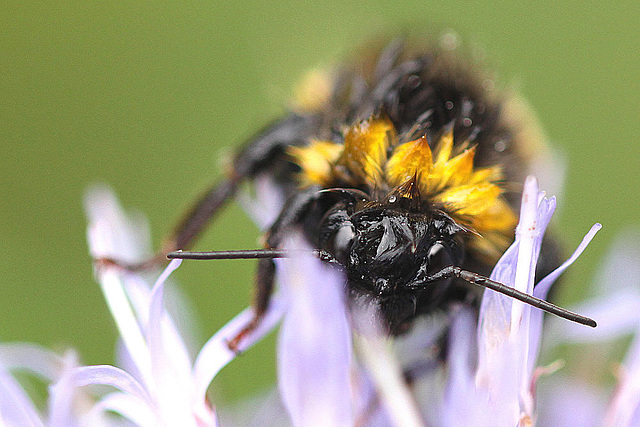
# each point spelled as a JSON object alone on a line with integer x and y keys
{"x": 241, "y": 254}
{"x": 480, "y": 280}
{"x": 246, "y": 254}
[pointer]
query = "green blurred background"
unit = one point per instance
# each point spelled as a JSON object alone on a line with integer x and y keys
{"x": 148, "y": 96}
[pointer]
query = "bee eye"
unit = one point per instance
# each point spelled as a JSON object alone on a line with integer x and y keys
{"x": 340, "y": 242}
{"x": 438, "y": 257}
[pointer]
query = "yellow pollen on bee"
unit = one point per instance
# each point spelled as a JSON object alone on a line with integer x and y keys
{"x": 316, "y": 161}
{"x": 409, "y": 159}
{"x": 365, "y": 149}
{"x": 314, "y": 91}
{"x": 444, "y": 175}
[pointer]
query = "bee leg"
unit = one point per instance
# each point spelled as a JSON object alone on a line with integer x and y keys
{"x": 187, "y": 230}
{"x": 265, "y": 276}
{"x": 196, "y": 218}
{"x": 298, "y": 209}
{"x": 257, "y": 156}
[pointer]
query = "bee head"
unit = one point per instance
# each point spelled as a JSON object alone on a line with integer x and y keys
{"x": 391, "y": 249}
{"x": 386, "y": 249}
{"x": 386, "y": 252}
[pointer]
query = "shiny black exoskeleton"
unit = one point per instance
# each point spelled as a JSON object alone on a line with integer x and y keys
{"x": 390, "y": 252}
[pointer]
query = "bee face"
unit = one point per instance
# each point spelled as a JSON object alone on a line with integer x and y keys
{"x": 388, "y": 252}
{"x": 391, "y": 249}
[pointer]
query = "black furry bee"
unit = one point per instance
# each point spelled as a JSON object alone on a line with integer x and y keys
{"x": 395, "y": 167}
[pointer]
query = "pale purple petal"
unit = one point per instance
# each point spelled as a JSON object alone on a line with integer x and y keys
{"x": 126, "y": 322}
{"x": 625, "y": 407}
{"x": 537, "y": 217}
{"x": 498, "y": 320}
{"x": 129, "y": 406}
{"x": 170, "y": 364}
{"x": 504, "y": 332}
{"x": 462, "y": 401}
{"x": 265, "y": 204}
{"x": 417, "y": 354}
{"x": 541, "y": 290}
{"x": 33, "y": 358}
{"x": 509, "y": 332}
{"x": 111, "y": 376}
{"x": 366, "y": 405}
{"x": 495, "y": 307}
{"x": 215, "y": 354}
{"x": 528, "y": 233}
{"x": 462, "y": 349}
{"x": 162, "y": 337}
{"x": 62, "y": 394}
{"x": 564, "y": 402}
{"x": 424, "y": 365}
{"x": 138, "y": 293}
{"x": 113, "y": 233}
{"x": 314, "y": 346}
{"x": 383, "y": 368}
{"x": 16, "y": 408}
{"x": 180, "y": 322}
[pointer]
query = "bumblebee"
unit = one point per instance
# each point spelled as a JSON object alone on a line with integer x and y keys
{"x": 399, "y": 168}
